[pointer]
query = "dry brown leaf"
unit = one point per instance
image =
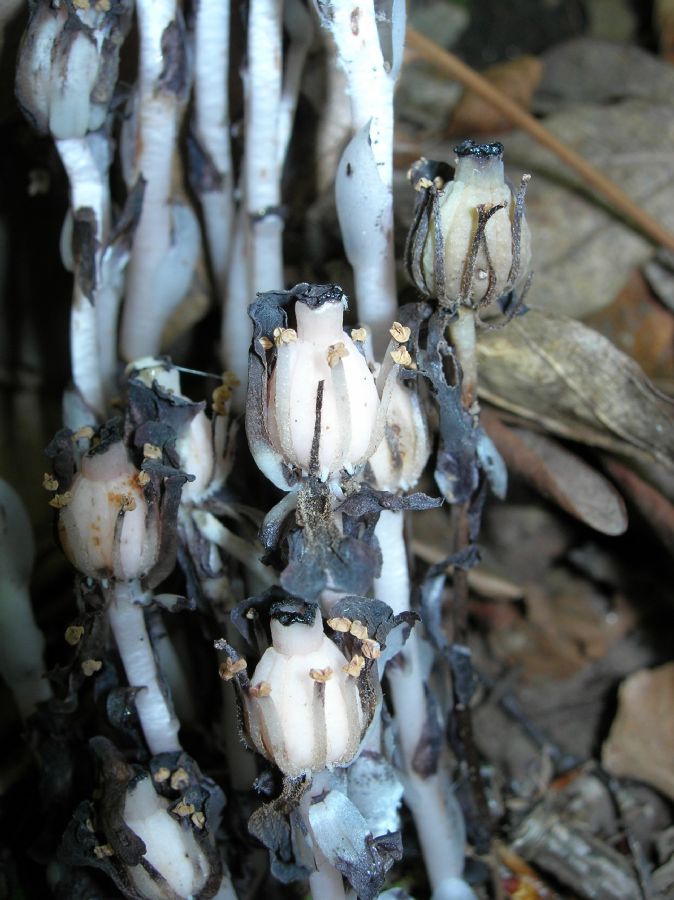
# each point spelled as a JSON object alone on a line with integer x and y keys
{"x": 517, "y": 79}
{"x": 641, "y": 741}
{"x": 577, "y": 384}
{"x": 655, "y": 508}
{"x": 641, "y": 326}
{"x": 567, "y": 626}
{"x": 559, "y": 475}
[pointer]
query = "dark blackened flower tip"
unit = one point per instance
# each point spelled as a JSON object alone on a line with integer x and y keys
{"x": 479, "y": 151}
{"x": 316, "y": 295}
{"x": 292, "y": 612}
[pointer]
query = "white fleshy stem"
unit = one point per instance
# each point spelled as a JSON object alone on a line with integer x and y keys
{"x": 298, "y": 26}
{"x": 262, "y": 169}
{"x": 371, "y": 83}
{"x": 89, "y": 190}
{"x": 439, "y": 824}
{"x": 211, "y": 107}
{"x": 145, "y": 313}
{"x": 326, "y": 883}
{"x": 462, "y": 332}
{"x": 127, "y": 621}
{"x": 21, "y": 641}
{"x": 334, "y": 128}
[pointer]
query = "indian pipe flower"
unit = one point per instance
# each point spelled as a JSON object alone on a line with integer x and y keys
{"x": 67, "y": 66}
{"x": 313, "y": 408}
{"x": 482, "y": 250}
{"x": 303, "y": 707}
{"x": 105, "y": 525}
{"x": 397, "y": 463}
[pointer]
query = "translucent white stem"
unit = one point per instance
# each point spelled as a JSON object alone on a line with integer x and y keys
{"x": 158, "y": 112}
{"x": 438, "y": 821}
{"x": 462, "y": 332}
{"x": 89, "y": 190}
{"x": 262, "y": 169}
{"x": 298, "y": 27}
{"x": 371, "y": 83}
{"x": 211, "y": 106}
{"x": 326, "y": 883}
{"x": 127, "y": 621}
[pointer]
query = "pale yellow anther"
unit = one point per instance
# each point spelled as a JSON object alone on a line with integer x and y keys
{"x": 161, "y": 775}
{"x": 261, "y": 689}
{"x": 358, "y": 630}
{"x": 400, "y": 333}
{"x": 321, "y": 675}
{"x": 90, "y": 666}
{"x": 265, "y": 343}
{"x": 228, "y": 669}
{"x": 284, "y": 336}
{"x": 335, "y": 353}
{"x": 180, "y": 779}
{"x": 402, "y": 357}
{"x": 49, "y": 483}
{"x": 58, "y": 501}
{"x": 74, "y": 634}
{"x": 355, "y": 666}
{"x": 371, "y": 649}
{"x": 82, "y": 434}
{"x": 143, "y": 478}
{"x": 128, "y": 503}
{"x": 151, "y": 451}
{"x": 198, "y": 819}
{"x": 358, "y": 334}
{"x": 340, "y": 624}
{"x": 184, "y": 809}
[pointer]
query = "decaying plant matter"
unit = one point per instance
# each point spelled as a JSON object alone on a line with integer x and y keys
{"x": 265, "y": 684}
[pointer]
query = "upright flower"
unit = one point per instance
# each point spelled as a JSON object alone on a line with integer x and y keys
{"x": 313, "y": 408}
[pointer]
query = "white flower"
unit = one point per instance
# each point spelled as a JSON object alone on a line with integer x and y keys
{"x": 105, "y": 526}
{"x": 321, "y": 411}
{"x": 303, "y": 708}
{"x": 504, "y": 253}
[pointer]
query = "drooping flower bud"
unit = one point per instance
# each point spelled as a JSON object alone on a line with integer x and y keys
{"x": 170, "y": 849}
{"x": 313, "y": 406}
{"x": 470, "y": 241}
{"x": 397, "y": 463}
{"x": 303, "y": 707}
{"x": 67, "y": 67}
{"x": 194, "y": 433}
{"x": 105, "y": 525}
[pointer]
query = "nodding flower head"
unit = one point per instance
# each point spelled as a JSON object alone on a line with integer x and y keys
{"x": 106, "y": 527}
{"x": 313, "y": 405}
{"x": 303, "y": 707}
{"x": 470, "y": 241}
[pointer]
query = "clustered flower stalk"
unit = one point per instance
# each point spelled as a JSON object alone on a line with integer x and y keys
{"x": 345, "y": 437}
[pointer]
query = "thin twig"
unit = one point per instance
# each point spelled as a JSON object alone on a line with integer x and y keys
{"x": 451, "y": 65}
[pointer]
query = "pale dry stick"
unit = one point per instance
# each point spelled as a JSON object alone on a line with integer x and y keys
{"x": 449, "y": 64}
{"x": 158, "y": 113}
{"x": 211, "y": 105}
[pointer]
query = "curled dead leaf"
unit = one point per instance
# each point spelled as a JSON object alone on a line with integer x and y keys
{"x": 575, "y": 383}
{"x": 559, "y": 475}
{"x": 640, "y": 744}
{"x": 516, "y": 78}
